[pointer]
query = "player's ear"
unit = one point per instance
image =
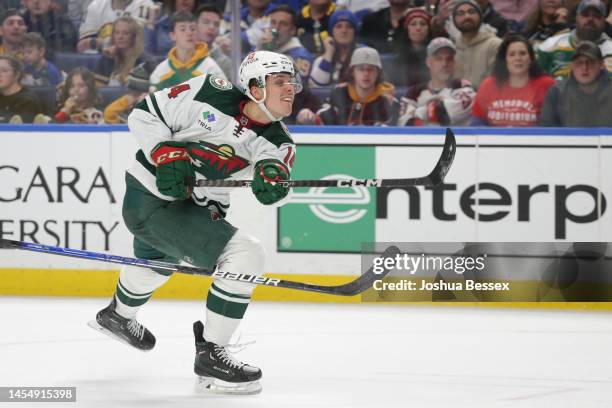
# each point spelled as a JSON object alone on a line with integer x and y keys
{"x": 257, "y": 92}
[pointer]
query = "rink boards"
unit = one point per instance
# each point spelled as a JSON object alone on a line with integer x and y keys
{"x": 64, "y": 186}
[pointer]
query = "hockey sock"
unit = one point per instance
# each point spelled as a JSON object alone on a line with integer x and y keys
{"x": 224, "y": 311}
{"x": 134, "y": 288}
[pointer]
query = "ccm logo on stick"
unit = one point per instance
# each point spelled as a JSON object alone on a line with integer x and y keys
{"x": 258, "y": 280}
{"x": 366, "y": 183}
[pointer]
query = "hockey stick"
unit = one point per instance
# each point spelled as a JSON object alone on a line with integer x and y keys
{"x": 352, "y": 288}
{"x": 434, "y": 178}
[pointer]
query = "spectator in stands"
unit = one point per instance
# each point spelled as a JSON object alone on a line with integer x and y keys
{"x": 555, "y": 54}
{"x": 409, "y": 67}
{"x": 17, "y": 103}
{"x": 379, "y": 29}
{"x": 515, "y": 11}
{"x": 12, "y": 30}
{"x": 442, "y": 22}
{"x": 158, "y": 26}
{"x": 187, "y": 59}
{"x": 253, "y": 21}
{"x": 585, "y": 98}
{"x": 513, "y": 95}
{"x": 476, "y": 50}
{"x": 281, "y": 38}
{"x": 209, "y": 19}
{"x": 138, "y": 87}
{"x": 550, "y": 19}
{"x": 125, "y": 51}
{"x": 79, "y": 100}
{"x": 366, "y": 99}
{"x": 95, "y": 31}
{"x": 442, "y": 101}
{"x": 77, "y": 10}
{"x": 333, "y": 66}
{"x": 57, "y": 30}
{"x": 313, "y": 23}
{"x": 38, "y": 71}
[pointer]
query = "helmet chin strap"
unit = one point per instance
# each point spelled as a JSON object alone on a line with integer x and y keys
{"x": 264, "y": 109}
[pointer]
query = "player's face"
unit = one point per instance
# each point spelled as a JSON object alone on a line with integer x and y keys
{"x": 283, "y": 24}
{"x": 518, "y": 59}
{"x": 122, "y": 35}
{"x": 586, "y": 70}
{"x": 8, "y": 77}
{"x": 343, "y": 33}
{"x": 442, "y": 64}
{"x": 185, "y": 35}
{"x": 78, "y": 89}
{"x": 37, "y": 7}
{"x": 208, "y": 27}
{"x": 418, "y": 30}
{"x": 280, "y": 93}
{"x": 365, "y": 76}
{"x": 32, "y": 54}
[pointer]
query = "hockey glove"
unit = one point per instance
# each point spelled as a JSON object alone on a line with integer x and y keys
{"x": 174, "y": 175}
{"x": 265, "y": 185}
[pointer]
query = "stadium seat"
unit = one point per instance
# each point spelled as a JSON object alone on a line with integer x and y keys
{"x": 47, "y": 95}
{"x": 67, "y": 61}
{"x": 110, "y": 93}
{"x": 321, "y": 93}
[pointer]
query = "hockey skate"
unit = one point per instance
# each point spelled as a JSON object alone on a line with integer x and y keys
{"x": 127, "y": 331}
{"x": 218, "y": 372}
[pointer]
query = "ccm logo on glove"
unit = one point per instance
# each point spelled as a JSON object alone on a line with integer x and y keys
{"x": 167, "y": 154}
{"x": 174, "y": 175}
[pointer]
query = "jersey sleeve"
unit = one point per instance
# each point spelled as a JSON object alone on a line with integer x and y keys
{"x": 163, "y": 113}
{"x": 275, "y": 143}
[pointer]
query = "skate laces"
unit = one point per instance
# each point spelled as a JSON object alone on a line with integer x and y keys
{"x": 227, "y": 358}
{"x": 136, "y": 328}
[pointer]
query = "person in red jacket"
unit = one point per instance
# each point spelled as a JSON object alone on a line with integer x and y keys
{"x": 514, "y": 94}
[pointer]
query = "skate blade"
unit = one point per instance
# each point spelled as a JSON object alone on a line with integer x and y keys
{"x": 94, "y": 325}
{"x": 211, "y": 385}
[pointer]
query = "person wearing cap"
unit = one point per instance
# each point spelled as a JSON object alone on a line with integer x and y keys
{"x": 513, "y": 95}
{"x": 555, "y": 54}
{"x": 12, "y": 30}
{"x": 442, "y": 22}
{"x": 366, "y": 99}
{"x": 443, "y": 100}
{"x": 138, "y": 87}
{"x": 410, "y": 48}
{"x": 380, "y": 28}
{"x": 313, "y": 24}
{"x": 476, "y": 49}
{"x": 585, "y": 98}
{"x": 332, "y": 67}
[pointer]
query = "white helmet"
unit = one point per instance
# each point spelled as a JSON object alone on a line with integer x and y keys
{"x": 258, "y": 65}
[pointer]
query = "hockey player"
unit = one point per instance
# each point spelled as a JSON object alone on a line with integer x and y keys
{"x": 204, "y": 128}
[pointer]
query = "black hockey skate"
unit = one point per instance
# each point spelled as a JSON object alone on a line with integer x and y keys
{"x": 125, "y": 330}
{"x": 219, "y": 372}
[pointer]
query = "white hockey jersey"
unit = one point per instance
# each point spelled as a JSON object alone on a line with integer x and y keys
{"x": 100, "y": 15}
{"x": 223, "y": 143}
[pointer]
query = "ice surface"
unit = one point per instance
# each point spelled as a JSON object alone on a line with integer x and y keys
{"x": 315, "y": 355}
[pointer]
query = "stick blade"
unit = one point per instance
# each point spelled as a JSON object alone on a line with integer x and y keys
{"x": 366, "y": 280}
{"x": 445, "y": 161}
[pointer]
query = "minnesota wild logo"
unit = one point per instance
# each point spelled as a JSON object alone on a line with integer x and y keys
{"x": 216, "y": 162}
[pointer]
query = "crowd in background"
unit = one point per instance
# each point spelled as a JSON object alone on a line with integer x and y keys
{"x": 382, "y": 62}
